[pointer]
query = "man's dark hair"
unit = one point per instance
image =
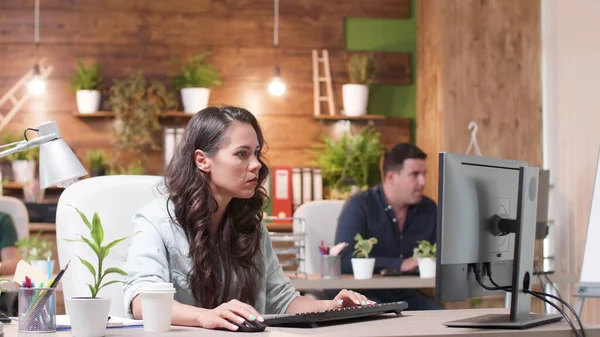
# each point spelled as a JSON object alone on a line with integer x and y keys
{"x": 393, "y": 160}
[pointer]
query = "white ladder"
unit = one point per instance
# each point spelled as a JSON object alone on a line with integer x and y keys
{"x": 17, "y": 103}
{"x": 317, "y": 79}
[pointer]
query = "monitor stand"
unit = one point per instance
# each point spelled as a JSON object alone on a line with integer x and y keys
{"x": 520, "y": 316}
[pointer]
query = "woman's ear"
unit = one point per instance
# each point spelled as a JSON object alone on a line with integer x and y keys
{"x": 201, "y": 161}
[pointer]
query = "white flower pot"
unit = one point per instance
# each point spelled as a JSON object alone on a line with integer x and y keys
{"x": 363, "y": 268}
{"x": 355, "y": 98}
{"x": 426, "y": 267}
{"x": 88, "y": 316}
{"x": 42, "y": 265}
{"x": 194, "y": 99}
{"x": 88, "y": 101}
{"x": 23, "y": 170}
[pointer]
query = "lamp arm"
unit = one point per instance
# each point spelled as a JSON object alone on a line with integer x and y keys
{"x": 27, "y": 144}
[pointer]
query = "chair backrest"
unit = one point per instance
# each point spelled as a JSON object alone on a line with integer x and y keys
{"x": 115, "y": 199}
{"x": 18, "y": 212}
{"x": 320, "y": 218}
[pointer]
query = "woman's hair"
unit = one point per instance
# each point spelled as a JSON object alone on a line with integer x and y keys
{"x": 231, "y": 254}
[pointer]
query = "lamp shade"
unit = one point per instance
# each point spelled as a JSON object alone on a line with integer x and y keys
{"x": 58, "y": 165}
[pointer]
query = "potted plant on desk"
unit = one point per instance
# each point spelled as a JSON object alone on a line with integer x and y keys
{"x": 89, "y": 315}
{"x": 37, "y": 251}
{"x": 362, "y": 264}
{"x": 424, "y": 253}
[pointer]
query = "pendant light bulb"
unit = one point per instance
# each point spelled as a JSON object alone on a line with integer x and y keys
{"x": 276, "y": 87}
{"x": 36, "y": 86}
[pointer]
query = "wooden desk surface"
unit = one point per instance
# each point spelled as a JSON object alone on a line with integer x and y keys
{"x": 315, "y": 281}
{"x": 413, "y": 323}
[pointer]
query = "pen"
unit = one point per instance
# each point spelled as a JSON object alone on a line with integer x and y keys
{"x": 60, "y": 275}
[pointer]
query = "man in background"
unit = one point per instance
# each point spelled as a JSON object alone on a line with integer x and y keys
{"x": 396, "y": 213}
{"x": 9, "y": 254}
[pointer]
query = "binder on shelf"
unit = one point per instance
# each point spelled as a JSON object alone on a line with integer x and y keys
{"x": 317, "y": 184}
{"x": 282, "y": 194}
{"x": 297, "y": 187}
{"x": 306, "y": 184}
{"x": 268, "y": 207}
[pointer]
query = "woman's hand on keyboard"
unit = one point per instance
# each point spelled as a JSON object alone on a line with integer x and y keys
{"x": 223, "y": 315}
{"x": 348, "y": 298}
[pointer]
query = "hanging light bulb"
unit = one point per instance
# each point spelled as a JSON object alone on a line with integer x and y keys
{"x": 276, "y": 87}
{"x": 36, "y": 85}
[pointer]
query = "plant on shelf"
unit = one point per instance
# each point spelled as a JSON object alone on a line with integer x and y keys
{"x": 97, "y": 162}
{"x": 86, "y": 84}
{"x": 194, "y": 80}
{"x": 131, "y": 169}
{"x": 425, "y": 253}
{"x": 23, "y": 163}
{"x": 362, "y": 72}
{"x": 351, "y": 162}
{"x": 362, "y": 264}
{"x": 88, "y": 314}
{"x": 138, "y": 103}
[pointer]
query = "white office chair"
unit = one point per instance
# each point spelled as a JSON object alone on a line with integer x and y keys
{"x": 321, "y": 221}
{"x": 115, "y": 199}
{"x": 18, "y": 212}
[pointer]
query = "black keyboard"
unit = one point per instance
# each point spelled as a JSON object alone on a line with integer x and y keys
{"x": 312, "y": 319}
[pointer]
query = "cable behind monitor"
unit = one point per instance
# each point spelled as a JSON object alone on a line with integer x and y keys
{"x": 540, "y": 295}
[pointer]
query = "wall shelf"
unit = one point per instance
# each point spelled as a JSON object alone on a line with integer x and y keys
{"x": 350, "y": 118}
{"x": 110, "y": 114}
{"x": 12, "y": 185}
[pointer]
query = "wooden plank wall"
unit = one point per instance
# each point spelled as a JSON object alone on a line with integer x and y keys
{"x": 479, "y": 61}
{"x": 125, "y": 35}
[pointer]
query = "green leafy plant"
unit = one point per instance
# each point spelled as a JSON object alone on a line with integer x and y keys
{"x": 363, "y": 247}
{"x": 138, "y": 103}
{"x": 361, "y": 69}
{"x": 97, "y": 159}
{"x": 424, "y": 249}
{"x": 86, "y": 77}
{"x": 196, "y": 73}
{"x": 131, "y": 169}
{"x": 35, "y": 247}
{"x": 95, "y": 243}
{"x": 350, "y": 160}
{"x": 29, "y": 154}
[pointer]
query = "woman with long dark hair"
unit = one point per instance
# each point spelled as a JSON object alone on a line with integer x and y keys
{"x": 206, "y": 235}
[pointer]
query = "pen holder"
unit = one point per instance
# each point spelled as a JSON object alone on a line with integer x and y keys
{"x": 37, "y": 310}
{"x": 331, "y": 266}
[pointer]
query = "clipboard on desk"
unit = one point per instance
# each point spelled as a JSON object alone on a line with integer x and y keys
{"x": 63, "y": 322}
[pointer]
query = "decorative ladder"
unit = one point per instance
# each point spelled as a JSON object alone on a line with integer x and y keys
{"x": 317, "y": 79}
{"x": 17, "y": 103}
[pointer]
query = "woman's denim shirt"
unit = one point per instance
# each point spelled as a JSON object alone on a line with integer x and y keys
{"x": 159, "y": 252}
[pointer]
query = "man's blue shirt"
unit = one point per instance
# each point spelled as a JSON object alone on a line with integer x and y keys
{"x": 369, "y": 214}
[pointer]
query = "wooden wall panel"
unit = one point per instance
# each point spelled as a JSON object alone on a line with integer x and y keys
{"x": 126, "y": 35}
{"x": 481, "y": 62}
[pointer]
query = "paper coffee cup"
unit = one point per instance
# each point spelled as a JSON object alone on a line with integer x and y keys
{"x": 157, "y": 306}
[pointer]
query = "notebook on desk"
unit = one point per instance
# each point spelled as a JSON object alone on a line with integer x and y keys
{"x": 342, "y": 315}
{"x": 63, "y": 322}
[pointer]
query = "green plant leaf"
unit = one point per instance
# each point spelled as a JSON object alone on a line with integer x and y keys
{"x": 89, "y": 267}
{"x": 106, "y": 250}
{"x": 92, "y": 290}
{"x": 109, "y": 283}
{"x": 97, "y": 231}
{"x": 114, "y": 271}
{"x": 92, "y": 245}
{"x": 83, "y": 217}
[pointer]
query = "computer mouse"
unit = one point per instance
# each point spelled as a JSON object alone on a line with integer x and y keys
{"x": 251, "y": 326}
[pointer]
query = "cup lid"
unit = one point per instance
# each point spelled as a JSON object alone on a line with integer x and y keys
{"x": 158, "y": 287}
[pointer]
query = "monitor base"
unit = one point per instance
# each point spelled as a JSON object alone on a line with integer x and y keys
{"x": 502, "y": 321}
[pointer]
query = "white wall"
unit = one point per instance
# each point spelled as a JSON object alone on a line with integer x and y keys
{"x": 571, "y": 108}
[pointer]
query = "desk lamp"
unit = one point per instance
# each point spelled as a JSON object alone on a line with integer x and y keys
{"x": 58, "y": 164}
